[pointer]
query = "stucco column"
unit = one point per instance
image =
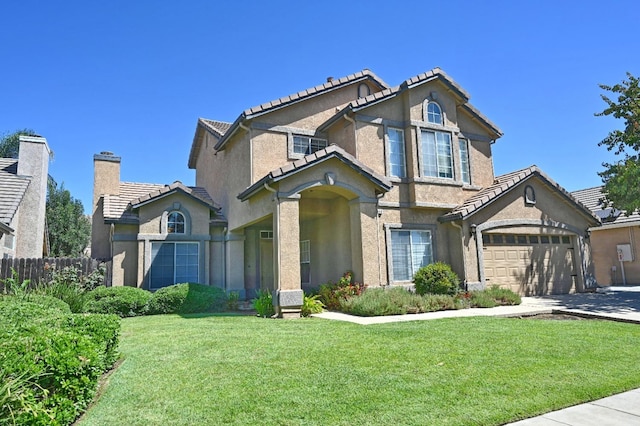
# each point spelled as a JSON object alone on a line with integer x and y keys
{"x": 288, "y": 295}
{"x": 365, "y": 256}
{"x": 234, "y": 262}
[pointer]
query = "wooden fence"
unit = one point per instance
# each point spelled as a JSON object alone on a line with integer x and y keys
{"x": 40, "y": 270}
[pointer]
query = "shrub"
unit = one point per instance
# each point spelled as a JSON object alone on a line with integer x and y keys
{"x": 13, "y": 286}
{"x": 333, "y": 294}
{"x": 52, "y": 360}
{"x": 263, "y": 304}
{"x": 48, "y": 302}
{"x": 233, "y": 300}
{"x": 380, "y": 301}
{"x": 436, "y": 278}
{"x": 503, "y": 296}
{"x": 481, "y": 299}
{"x": 438, "y": 302}
{"x": 187, "y": 298}
{"x": 122, "y": 301}
{"x": 311, "y": 305}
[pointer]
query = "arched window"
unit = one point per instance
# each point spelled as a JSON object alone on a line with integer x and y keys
{"x": 175, "y": 223}
{"x": 434, "y": 113}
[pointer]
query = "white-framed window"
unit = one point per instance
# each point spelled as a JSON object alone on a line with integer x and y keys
{"x": 465, "y": 171}
{"x": 306, "y": 145}
{"x": 175, "y": 223}
{"x": 305, "y": 261}
{"x": 436, "y": 154}
{"x": 397, "y": 157}
{"x": 434, "y": 113}
{"x": 411, "y": 249}
{"x": 173, "y": 263}
{"x": 9, "y": 241}
{"x": 266, "y": 235}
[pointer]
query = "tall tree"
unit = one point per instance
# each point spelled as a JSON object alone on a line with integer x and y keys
{"x": 69, "y": 228}
{"x": 622, "y": 178}
{"x": 10, "y": 142}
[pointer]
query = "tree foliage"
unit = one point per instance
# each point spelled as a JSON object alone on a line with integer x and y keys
{"x": 10, "y": 142}
{"x": 622, "y": 178}
{"x": 69, "y": 228}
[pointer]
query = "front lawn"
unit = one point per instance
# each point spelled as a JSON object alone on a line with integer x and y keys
{"x": 240, "y": 370}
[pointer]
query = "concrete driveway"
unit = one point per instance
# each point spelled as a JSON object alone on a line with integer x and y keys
{"x": 616, "y": 302}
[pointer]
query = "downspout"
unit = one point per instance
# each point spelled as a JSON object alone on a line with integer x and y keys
{"x": 378, "y": 214}
{"x": 248, "y": 130}
{"x": 464, "y": 256}
{"x": 355, "y": 133}
{"x": 224, "y": 259}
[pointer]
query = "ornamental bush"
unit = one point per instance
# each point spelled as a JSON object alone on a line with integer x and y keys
{"x": 51, "y": 361}
{"x": 187, "y": 298}
{"x": 332, "y": 295}
{"x": 122, "y": 301}
{"x": 263, "y": 304}
{"x": 436, "y": 278}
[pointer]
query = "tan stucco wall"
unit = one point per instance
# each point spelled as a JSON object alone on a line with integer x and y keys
{"x": 125, "y": 264}
{"x": 106, "y": 181}
{"x": 150, "y": 215}
{"x": 604, "y": 244}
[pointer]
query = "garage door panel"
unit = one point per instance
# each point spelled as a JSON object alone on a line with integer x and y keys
{"x": 531, "y": 269}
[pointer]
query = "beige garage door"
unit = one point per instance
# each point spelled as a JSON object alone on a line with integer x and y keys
{"x": 530, "y": 264}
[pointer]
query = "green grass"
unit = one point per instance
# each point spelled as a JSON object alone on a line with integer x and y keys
{"x": 240, "y": 370}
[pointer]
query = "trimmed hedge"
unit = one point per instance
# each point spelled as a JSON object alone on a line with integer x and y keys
{"x": 436, "y": 278}
{"x": 53, "y": 360}
{"x": 122, "y": 301}
{"x": 187, "y": 298}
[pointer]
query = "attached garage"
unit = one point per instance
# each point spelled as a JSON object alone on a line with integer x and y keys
{"x": 530, "y": 264}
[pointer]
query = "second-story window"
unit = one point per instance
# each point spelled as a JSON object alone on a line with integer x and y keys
{"x": 434, "y": 113}
{"x": 465, "y": 174}
{"x": 175, "y": 223}
{"x": 436, "y": 154}
{"x": 307, "y": 145}
{"x": 397, "y": 159}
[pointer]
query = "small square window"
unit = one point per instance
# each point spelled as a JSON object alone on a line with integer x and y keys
{"x": 510, "y": 239}
{"x": 486, "y": 239}
{"x": 544, "y": 239}
{"x": 522, "y": 239}
{"x": 497, "y": 239}
{"x": 566, "y": 239}
{"x": 533, "y": 239}
{"x": 555, "y": 239}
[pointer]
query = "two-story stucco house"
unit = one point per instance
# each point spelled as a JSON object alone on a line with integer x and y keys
{"x": 355, "y": 175}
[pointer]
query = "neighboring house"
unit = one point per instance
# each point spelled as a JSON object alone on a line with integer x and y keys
{"x": 614, "y": 244}
{"x": 23, "y": 199}
{"x": 354, "y": 175}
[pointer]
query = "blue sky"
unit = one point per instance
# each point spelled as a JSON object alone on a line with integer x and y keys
{"x": 133, "y": 77}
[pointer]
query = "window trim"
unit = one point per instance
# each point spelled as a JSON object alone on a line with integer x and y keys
{"x": 389, "y": 227}
{"x": 402, "y": 144}
{"x": 426, "y": 113}
{"x": 421, "y": 151}
{"x": 305, "y": 250}
{"x": 466, "y": 160}
{"x": 292, "y": 145}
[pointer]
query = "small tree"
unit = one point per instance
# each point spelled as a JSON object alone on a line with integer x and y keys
{"x": 622, "y": 178}
{"x": 69, "y": 228}
{"x": 10, "y": 142}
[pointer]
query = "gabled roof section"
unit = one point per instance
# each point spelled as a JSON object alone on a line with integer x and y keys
{"x": 303, "y": 95}
{"x": 434, "y": 74}
{"x": 216, "y": 128}
{"x": 504, "y": 184}
{"x": 12, "y": 190}
{"x": 596, "y": 200}
{"x": 119, "y": 208}
{"x": 332, "y": 151}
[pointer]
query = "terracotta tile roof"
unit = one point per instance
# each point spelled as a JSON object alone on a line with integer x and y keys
{"x": 433, "y": 74}
{"x": 217, "y": 127}
{"x": 332, "y": 151}
{"x": 298, "y": 97}
{"x": 12, "y": 190}
{"x": 595, "y": 200}
{"x": 119, "y": 208}
{"x": 503, "y": 184}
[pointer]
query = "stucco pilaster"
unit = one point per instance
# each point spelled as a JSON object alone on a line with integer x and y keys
{"x": 365, "y": 242}
{"x": 286, "y": 238}
{"x": 234, "y": 260}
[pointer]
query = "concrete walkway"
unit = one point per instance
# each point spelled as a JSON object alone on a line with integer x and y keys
{"x": 614, "y": 303}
